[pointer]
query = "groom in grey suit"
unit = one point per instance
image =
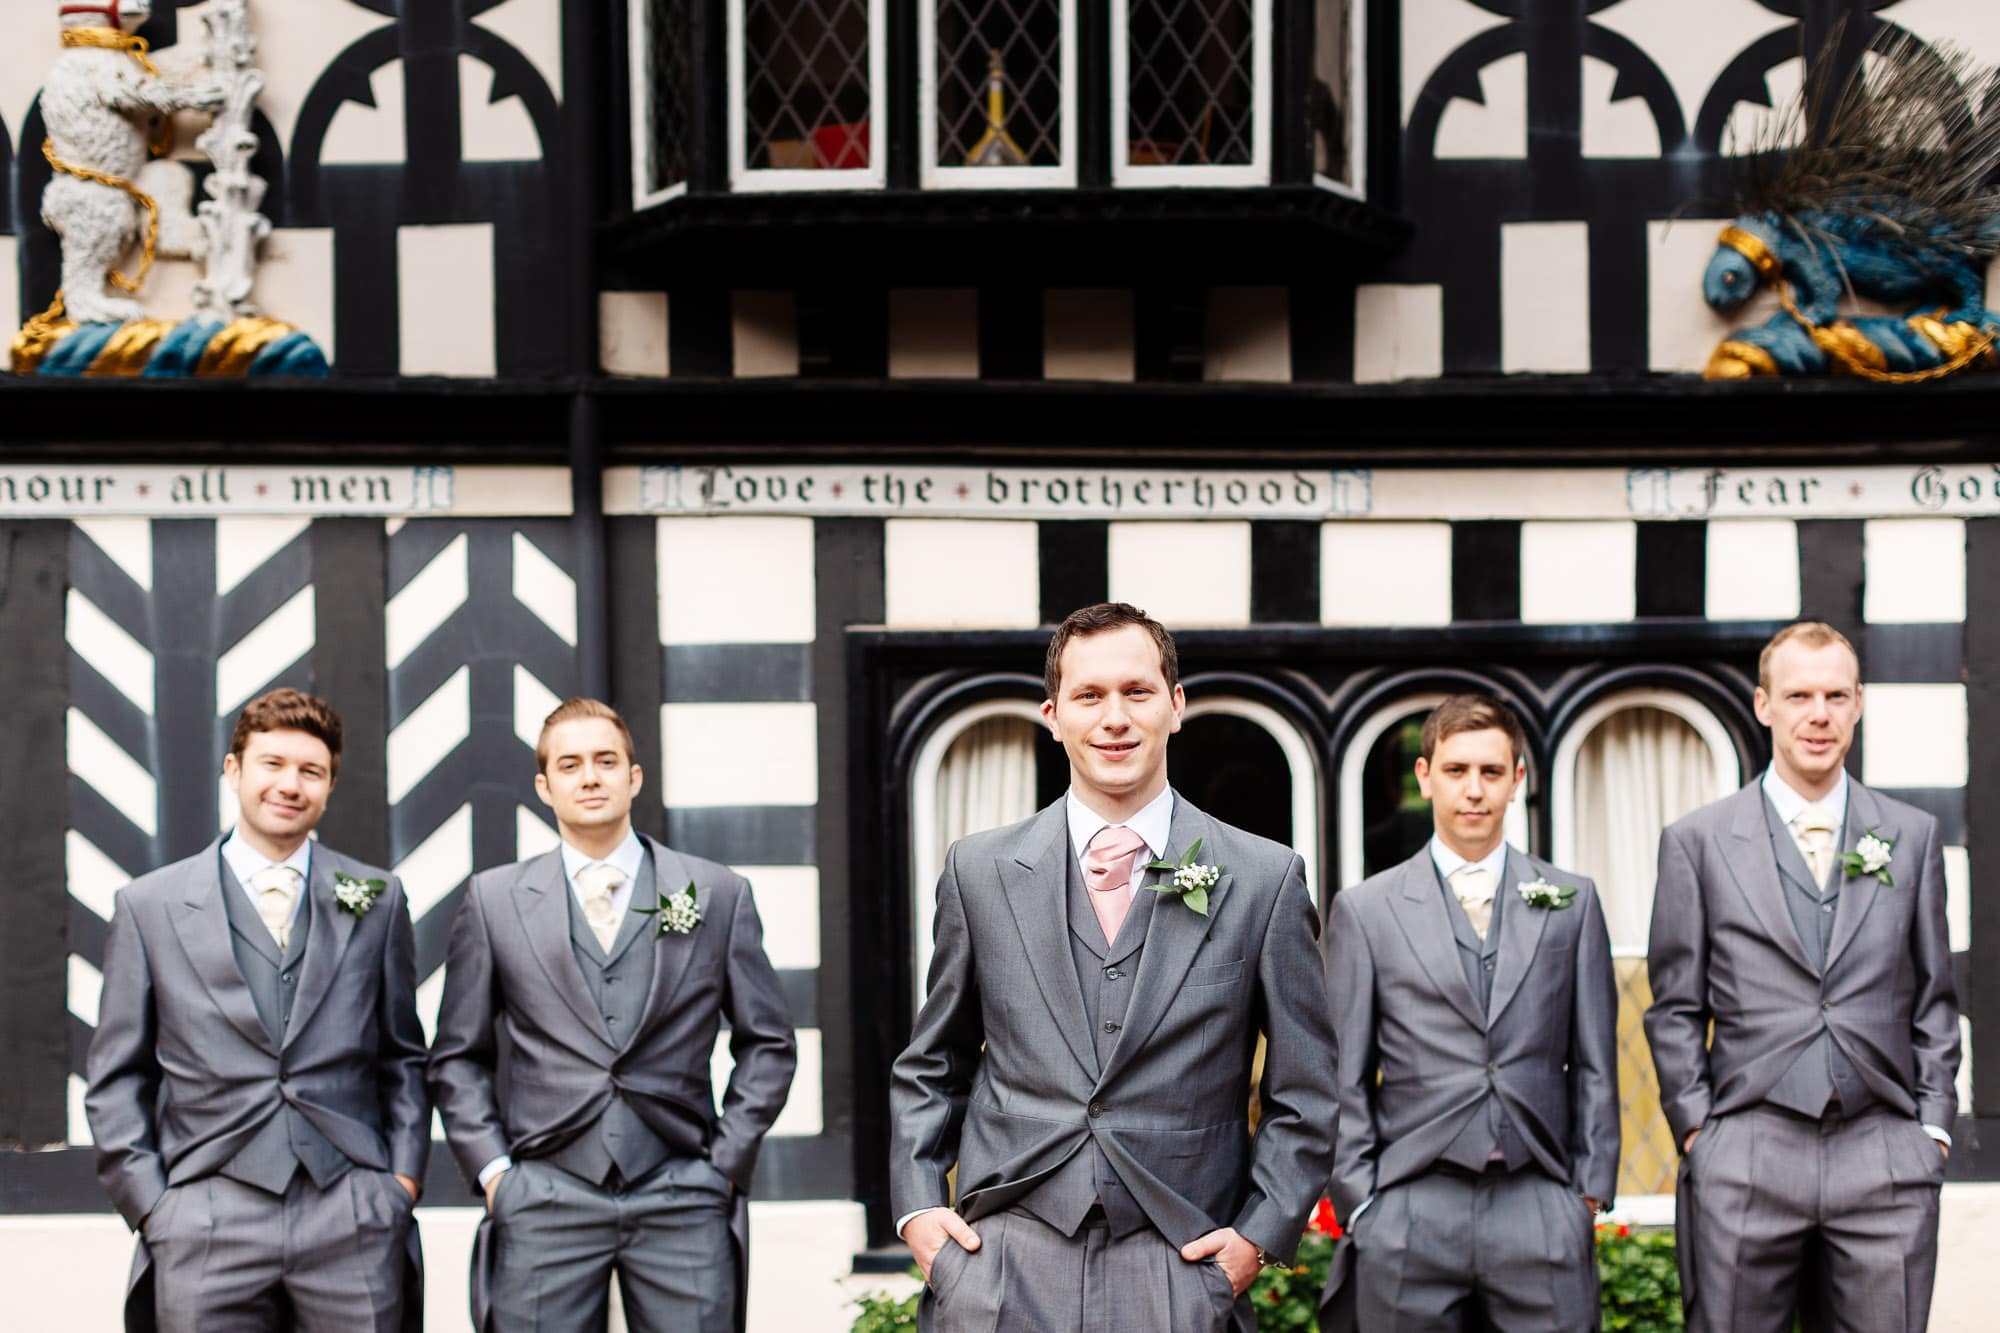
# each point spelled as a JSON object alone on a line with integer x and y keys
{"x": 1804, "y": 918}
{"x": 256, "y": 1081}
{"x": 1084, "y": 1055}
{"x": 608, "y": 966}
{"x": 1476, "y": 1015}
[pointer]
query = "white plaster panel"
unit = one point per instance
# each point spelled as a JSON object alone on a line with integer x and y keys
{"x": 294, "y": 51}
{"x": 428, "y": 735}
{"x": 736, "y": 580}
{"x": 34, "y": 40}
{"x": 1433, "y": 30}
{"x": 1691, "y": 52}
{"x": 1974, "y": 28}
{"x": 1385, "y": 573}
{"x": 632, "y": 334}
{"x": 1916, "y": 736}
{"x": 127, "y": 541}
{"x": 1958, "y": 898}
{"x": 428, "y": 599}
{"x": 242, "y": 545}
{"x": 112, "y": 773}
{"x": 282, "y": 639}
{"x": 1749, "y": 122}
{"x": 764, "y": 329}
{"x": 1914, "y": 570}
{"x": 1623, "y": 128}
{"x": 438, "y": 864}
{"x": 295, "y": 281}
{"x": 934, "y": 333}
{"x": 534, "y": 28}
{"x": 544, "y": 588}
{"x": 739, "y": 754}
{"x": 1087, "y": 335}
{"x": 802, "y": 1115}
{"x": 491, "y": 131}
{"x": 1753, "y": 570}
{"x": 1247, "y": 335}
{"x": 107, "y": 649}
{"x": 1183, "y": 574}
{"x": 93, "y": 878}
{"x": 787, "y": 900}
{"x": 1545, "y": 297}
{"x": 961, "y": 573}
{"x": 11, "y": 313}
{"x": 361, "y": 135}
{"x": 533, "y": 834}
{"x": 1578, "y": 573}
{"x": 1496, "y": 127}
{"x": 1398, "y": 332}
{"x": 445, "y": 310}
{"x": 86, "y": 989}
{"x": 533, "y": 702}
{"x": 1681, "y": 330}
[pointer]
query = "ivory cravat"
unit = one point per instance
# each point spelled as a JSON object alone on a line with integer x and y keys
{"x": 1473, "y": 886}
{"x": 1813, "y": 829}
{"x": 598, "y": 883}
{"x": 1107, "y": 873}
{"x": 274, "y": 889}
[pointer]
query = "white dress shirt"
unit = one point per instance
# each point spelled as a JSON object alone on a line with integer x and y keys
{"x": 245, "y": 861}
{"x": 1449, "y": 863}
{"x": 627, "y": 857}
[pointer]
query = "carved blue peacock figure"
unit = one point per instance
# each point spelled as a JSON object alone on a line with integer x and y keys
{"x": 1887, "y": 193}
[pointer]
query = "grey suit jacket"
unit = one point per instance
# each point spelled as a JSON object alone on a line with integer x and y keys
{"x": 1546, "y": 1042}
{"x": 1724, "y": 948}
{"x": 182, "y": 1071}
{"x": 1001, "y": 1075}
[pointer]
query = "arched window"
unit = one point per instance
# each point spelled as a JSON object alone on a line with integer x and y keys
{"x": 1246, "y": 764}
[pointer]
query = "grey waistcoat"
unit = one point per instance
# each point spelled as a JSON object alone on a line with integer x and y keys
{"x": 288, "y": 1140}
{"x": 1822, "y": 1071}
{"x": 619, "y": 982}
{"x": 1483, "y": 1135}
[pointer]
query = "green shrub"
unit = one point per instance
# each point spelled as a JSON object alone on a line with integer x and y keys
{"x": 883, "y": 1313}
{"x": 1641, "y": 1281}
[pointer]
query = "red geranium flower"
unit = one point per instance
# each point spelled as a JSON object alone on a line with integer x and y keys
{"x": 1323, "y": 1220}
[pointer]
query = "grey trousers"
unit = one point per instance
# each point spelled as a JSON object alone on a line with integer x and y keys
{"x": 1447, "y": 1251}
{"x": 1027, "y": 1277}
{"x": 1767, "y": 1197}
{"x": 229, "y": 1257}
{"x": 558, "y": 1239}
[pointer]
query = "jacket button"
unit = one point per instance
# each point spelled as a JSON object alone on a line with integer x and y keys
{"x": 1110, "y": 1026}
{"x": 1112, "y": 973}
{"x": 1826, "y": 1004}
{"x": 1096, "y": 1110}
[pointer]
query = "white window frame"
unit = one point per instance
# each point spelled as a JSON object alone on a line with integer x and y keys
{"x": 938, "y": 177}
{"x": 639, "y": 41}
{"x": 1299, "y": 761}
{"x": 1354, "y": 761}
{"x": 746, "y": 179}
{"x": 1357, "y": 108}
{"x": 1257, "y": 171}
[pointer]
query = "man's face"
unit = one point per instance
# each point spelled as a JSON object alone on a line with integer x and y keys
{"x": 282, "y": 781}
{"x": 1469, "y": 779}
{"x": 589, "y": 780}
{"x": 1811, "y": 707}
{"x": 1113, "y": 714}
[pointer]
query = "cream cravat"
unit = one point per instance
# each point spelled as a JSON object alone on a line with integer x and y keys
{"x": 598, "y": 883}
{"x": 1813, "y": 830}
{"x": 1472, "y": 885}
{"x": 274, "y": 889}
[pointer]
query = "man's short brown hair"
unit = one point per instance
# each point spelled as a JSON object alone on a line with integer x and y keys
{"x": 570, "y": 710}
{"x": 1807, "y": 634}
{"x": 287, "y": 709}
{"x": 1101, "y": 619}
{"x": 1474, "y": 712}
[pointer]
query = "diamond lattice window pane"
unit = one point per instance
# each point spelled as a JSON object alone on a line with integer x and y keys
{"x": 1189, "y": 92}
{"x": 1329, "y": 102}
{"x": 999, "y": 83}
{"x": 805, "y": 84}
{"x": 669, "y": 80}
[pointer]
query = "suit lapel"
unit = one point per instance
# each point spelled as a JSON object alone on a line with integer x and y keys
{"x": 326, "y": 945}
{"x": 541, "y": 899}
{"x": 1858, "y": 894}
{"x": 1418, "y": 904}
{"x": 1521, "y": 928}
{"x": 1173, "y": 935}
{"x": 1754, "y": 866}
{"x": 202, "y": 924}
{"x": 1035, "y": 881}
{"x": 671, "y": 952}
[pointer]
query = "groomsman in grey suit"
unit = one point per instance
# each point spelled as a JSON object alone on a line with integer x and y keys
{"x": 1804, "y": 917}
{"x": 256, "y": 1081}
{"x": 1476, "y": 1017}
{"x": 607, "y": 967}
{"x": 1084, "y": 1054}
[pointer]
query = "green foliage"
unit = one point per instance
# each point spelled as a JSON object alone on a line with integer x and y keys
{"x": 1640, "y": 1279}
{"x": 1287, "y": 1299}
{"x": 883, "y": 1313}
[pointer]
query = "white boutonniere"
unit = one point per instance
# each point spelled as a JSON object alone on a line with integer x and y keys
{"x": 1870, "y": 857}
{"x": 1187, "y": 877}
{"x": 677, "y": 914}
{"x": 356, "y": 895}
{"x": 1549, "y": 897}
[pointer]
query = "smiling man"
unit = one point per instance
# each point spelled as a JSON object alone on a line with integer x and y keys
{"x": 256, "y": 1080}
{"x": 1476, "y": 1014}
{"x": 1083, "y": 1054}
{"x": 608, "y": 965}
{"x": 1802, "y": 921}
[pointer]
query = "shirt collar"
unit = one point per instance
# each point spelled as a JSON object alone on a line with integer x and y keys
{"x": 626, "y": 856}
{"x": 1152, "y": 823}
{"x": 1449, "y": 862}
{"x": 245, "y": 861}
{"x": 1789, "y": 803}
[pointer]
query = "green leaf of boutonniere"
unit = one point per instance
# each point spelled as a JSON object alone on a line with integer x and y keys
{"x": 1549, "y": 897}
{"x": 677, "y": 913}
{"x": 1187, "y": 877}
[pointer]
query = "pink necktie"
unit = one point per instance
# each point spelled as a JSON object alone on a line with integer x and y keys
{"x": 1107, "y": 873}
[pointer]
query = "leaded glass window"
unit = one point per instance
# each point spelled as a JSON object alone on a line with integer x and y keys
{"x": 807, "y": 85}
{"x": 665, "y": 54}
{"x": 999, "y": 73}
{"x": 1192, "y": 82}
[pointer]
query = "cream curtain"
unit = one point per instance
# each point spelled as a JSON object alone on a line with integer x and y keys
{"x": 987, "y": 779}
{"x": 1638, "y": 772}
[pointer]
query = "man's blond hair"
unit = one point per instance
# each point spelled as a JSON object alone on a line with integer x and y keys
{"x": 571, "y": 710}
{"x": 1807, "y": 634}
